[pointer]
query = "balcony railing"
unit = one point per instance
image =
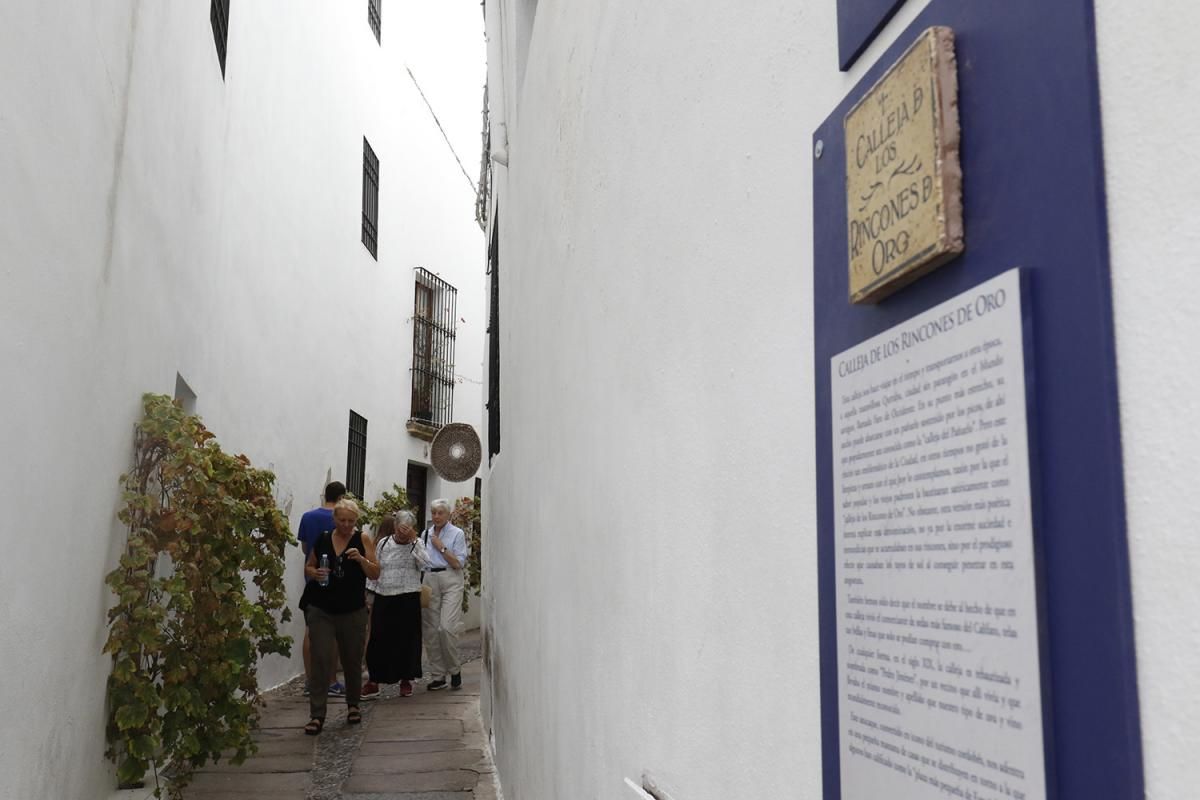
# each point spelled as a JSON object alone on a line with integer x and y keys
{"x": 434, "y": 316}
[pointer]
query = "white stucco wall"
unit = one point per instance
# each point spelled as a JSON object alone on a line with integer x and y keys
{"x": 160, "y": 220}
{"x": 1148, "y": 96}
{"x": 657, "y": 405}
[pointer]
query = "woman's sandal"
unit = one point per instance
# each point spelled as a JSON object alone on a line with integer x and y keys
{"x": 353, "y": 716}
{"x": 314, "y": 726}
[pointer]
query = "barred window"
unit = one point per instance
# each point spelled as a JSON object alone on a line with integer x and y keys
{"x": 374, "y": 16}
{"x": 433, "y": 350}
{"x": 218, "y": 15}
{"x": 356, "y": 455}
{"x": 370, "y": 199}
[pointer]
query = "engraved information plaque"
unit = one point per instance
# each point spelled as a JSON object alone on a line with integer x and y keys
{"x": 939, "y": 681}
{"x": 903, "y": 178}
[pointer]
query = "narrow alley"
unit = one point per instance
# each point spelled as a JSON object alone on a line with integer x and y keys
{"x": 429, "y": 746}
{"x": 809, "y": 387}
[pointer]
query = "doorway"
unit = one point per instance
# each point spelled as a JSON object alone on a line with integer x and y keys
{"x": 418, "y": 477}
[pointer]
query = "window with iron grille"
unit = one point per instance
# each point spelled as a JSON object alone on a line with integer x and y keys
{"x": 493, "y": 331}
{"x": 370, "y": 200}
{"x": 433, "y": 350}
{"x": 374, "y": 16}
{"x": 356, "y": 455}
{"x": 218, "y": 15}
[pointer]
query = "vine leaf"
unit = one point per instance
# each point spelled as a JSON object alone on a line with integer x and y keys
{"x": 182, "y": 633}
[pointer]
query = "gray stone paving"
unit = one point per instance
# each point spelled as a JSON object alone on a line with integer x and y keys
{"x": 426, "y": 747}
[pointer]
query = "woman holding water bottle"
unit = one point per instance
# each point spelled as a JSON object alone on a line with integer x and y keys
{"x": 339, "y": 564}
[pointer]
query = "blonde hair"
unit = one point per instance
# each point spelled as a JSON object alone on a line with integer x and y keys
{"x": 349, "y": 505}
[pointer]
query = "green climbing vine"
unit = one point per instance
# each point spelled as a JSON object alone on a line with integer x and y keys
{"x": 466, "y": 516}
{"x": 186, "y": 631}
{"x": 388, "y": 503}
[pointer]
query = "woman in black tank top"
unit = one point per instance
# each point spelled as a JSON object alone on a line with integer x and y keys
{"x": 336, "y": 612}
{"x": 346, "y": 590}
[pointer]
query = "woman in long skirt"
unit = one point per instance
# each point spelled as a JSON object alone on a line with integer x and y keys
{"x": 394, "y": 649}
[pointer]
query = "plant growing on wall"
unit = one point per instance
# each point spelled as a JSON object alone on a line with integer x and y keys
{"x": 388, "y": 503}
{"x": 186, "y": 630}
{"x": 466, "y": 516}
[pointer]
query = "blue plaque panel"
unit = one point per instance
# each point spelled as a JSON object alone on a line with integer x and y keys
{"x": 858, "y": 22}
{"x": 1033, "y": 194}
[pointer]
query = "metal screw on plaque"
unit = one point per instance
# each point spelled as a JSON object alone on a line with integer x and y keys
{"x": 819, "y": 148}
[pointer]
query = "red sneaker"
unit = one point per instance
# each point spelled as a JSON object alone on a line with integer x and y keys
{"x": 370, "y": 690}
{"x": 405, "y": 688}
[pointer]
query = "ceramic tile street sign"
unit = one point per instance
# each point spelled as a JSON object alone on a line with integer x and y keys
{"x": 903, "y": 178}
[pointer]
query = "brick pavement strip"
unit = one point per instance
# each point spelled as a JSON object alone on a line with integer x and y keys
{"x": 291, "y": 714}
{"x": 287, "y": 762}
{"x": 226, "y": 784}
{"x": 403, "y": 748}
{"x": 416, "y": 729}
{"x": 419, "y": 762}
{"x": 271, "y": 745}
{"x": 465, "y": 795}
{"x": 403, "y": 710}
{"x": 486, "y": 790}
{"x": 292, "y": 745}
{"x": 440, "y": 781}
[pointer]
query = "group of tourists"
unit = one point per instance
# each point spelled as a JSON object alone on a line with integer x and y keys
{"x": 364, "y": 593}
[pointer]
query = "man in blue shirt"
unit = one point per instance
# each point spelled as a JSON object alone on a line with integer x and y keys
{"x": 448, "y": 552}
{"x": 312, "y": 525}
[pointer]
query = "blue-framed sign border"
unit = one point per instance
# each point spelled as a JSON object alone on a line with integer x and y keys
{"x": 1033, "y": 193}
{"x": 858, "y": 22}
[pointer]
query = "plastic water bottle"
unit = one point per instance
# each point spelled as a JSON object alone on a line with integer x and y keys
{"x": 323, "y": 564}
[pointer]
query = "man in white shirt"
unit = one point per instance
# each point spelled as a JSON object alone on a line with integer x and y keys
{"x": 448, "y": 552}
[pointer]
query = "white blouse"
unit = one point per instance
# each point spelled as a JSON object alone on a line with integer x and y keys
{"x": 400, "y": 567}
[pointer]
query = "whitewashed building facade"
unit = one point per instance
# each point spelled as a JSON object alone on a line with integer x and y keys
{"x": 186, "y": 205}
{"x": 650, "y": 495}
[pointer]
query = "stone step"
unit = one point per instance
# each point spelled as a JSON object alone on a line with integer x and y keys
{"x": 459, "y": 780}
{"x": 392, "y": 763}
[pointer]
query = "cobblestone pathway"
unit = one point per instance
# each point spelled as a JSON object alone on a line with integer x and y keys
{"x": 429, "y": 746}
